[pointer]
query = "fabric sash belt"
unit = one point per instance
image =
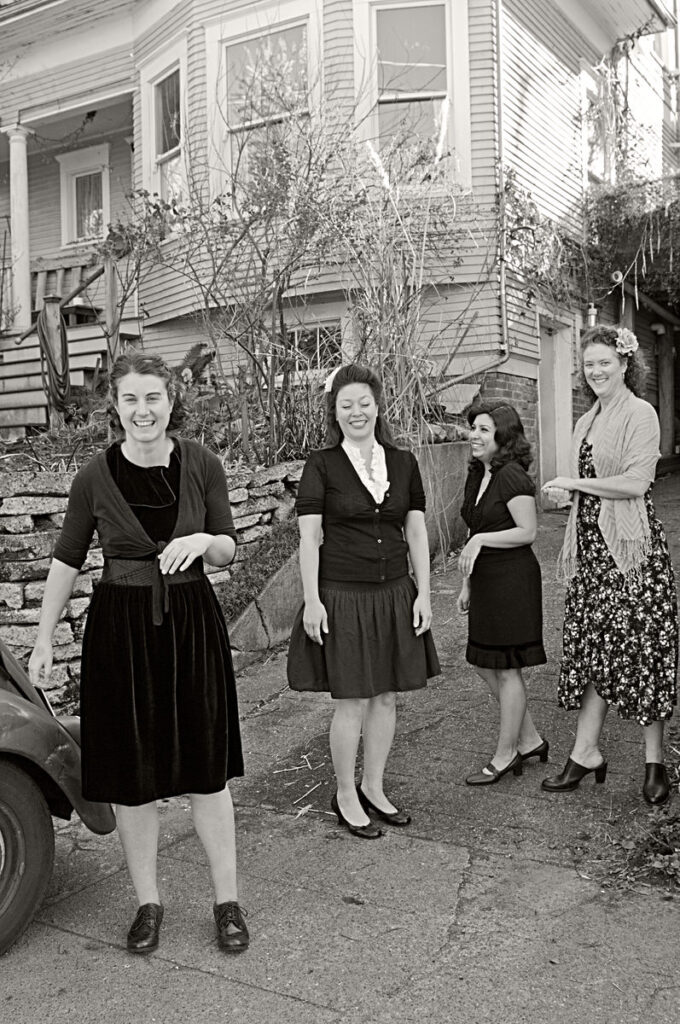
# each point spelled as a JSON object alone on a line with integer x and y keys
{"x": 130, "y": 572}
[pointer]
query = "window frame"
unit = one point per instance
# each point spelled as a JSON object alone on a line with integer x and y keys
{"x": 173, "y": 57}
{"x": 591, "y": 80}
{"x": 259, "y": 19}
{"x": 73, "y": 165}
{"x": 457, "y": 74}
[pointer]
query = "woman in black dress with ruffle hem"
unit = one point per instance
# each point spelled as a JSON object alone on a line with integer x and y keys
{"x": 363, "y": 633}
{"x": 501, "y": 592}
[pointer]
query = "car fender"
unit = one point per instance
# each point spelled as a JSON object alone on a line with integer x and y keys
{"x": 29, "y": 733}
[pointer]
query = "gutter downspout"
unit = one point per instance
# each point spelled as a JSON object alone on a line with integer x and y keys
{"x": 502, "y": 231}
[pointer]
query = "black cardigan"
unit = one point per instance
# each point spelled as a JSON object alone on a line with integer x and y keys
{"x": 96, "y": 503}
{"x": 363, "y": 541}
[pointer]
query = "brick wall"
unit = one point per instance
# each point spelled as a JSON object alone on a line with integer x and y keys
{"x": 32, "y": 507}
{"x": 520, "y": 392}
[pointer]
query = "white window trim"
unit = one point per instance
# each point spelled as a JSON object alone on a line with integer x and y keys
{"x": 458, "y": 73}
{"x": 153, "y": 71}
{"x": 590, "y": 83}
{"x": 256, "y": 19}
{"x": 72, "y": 165}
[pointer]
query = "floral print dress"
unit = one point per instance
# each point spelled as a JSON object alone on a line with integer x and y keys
{"x": 620, "y": 633}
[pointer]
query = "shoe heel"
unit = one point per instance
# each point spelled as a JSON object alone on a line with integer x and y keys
{"x": 519, "y": 767}
{"x": 543, "y": 756}
{"x": 601, "y": 772}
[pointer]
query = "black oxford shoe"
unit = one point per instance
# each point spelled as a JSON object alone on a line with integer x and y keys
{"x": 232, "y": 933}
{"x": 143, "y": 935}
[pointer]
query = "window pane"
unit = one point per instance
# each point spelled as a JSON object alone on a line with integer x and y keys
{"x": 89, "y": 205}
{"x": 171, "y": 179}
{"x": 412, "y": 49}
{"x": 168, "y": 122}
{"x": 410, "y": 121}
{"x": 266, "y": 75}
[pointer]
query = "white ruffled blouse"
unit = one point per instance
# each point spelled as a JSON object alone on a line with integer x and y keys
{"x": 376, "y": 483}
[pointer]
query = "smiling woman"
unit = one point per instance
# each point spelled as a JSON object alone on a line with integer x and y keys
{"x": 158, "y": 696}
{"x": 363, "y": 633}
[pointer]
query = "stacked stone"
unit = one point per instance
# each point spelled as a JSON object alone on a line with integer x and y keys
{"x": 32, "y": 507}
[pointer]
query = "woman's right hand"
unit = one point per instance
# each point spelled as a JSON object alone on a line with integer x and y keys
{"x": 315, "y": 621}
{"x": 40, "y": 663}
{"x": 463, "y": 602}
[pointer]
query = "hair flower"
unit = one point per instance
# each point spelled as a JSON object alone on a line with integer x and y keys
{"x": 626, "y": 342}
{"x": 328, "y": 383}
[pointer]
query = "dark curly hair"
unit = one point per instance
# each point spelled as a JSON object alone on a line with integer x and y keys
{"x": 134, "y": 361}
{"x": 355, "y": 374}
{"x": 635, "y": 376}
{"x": 508, "y": 435}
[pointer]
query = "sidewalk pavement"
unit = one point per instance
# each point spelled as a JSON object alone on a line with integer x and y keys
{"x": 488, "y": 908}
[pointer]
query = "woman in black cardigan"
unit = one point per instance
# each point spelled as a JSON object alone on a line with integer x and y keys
{"x": 363, "y": 632}
{"x": 158, "y": 696}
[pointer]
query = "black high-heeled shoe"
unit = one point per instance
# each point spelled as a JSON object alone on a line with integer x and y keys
{"x": 541, "y": 751}
{"x": 369, "y": 831}
{"x": 400, "y": 818}
{"x": 656, "y": 788}
{"x": 490, "y": 774}
{"x": 571, "y": 775}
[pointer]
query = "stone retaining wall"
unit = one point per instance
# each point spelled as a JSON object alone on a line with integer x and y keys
{"x": 32, "y": 507}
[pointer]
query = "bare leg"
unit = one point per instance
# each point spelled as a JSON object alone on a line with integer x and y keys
{"x": 344, "y": 738}
{"x": 378, "y": 734}
{"x": 138, "y": 830}
{"x": 213, "y": 815}
{"x": 513, "y": 704}
{"x": 591, "y": 718}
{"x": 528, "y": 737}
{"x": 653, "y": 735}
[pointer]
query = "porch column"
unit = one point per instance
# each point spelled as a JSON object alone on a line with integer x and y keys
{"x": 21, "y": 256}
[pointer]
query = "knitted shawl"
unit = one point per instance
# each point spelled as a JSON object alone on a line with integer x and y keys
{"x": 627, "y": 443}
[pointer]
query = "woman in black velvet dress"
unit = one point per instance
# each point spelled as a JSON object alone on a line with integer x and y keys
{"x": 501, "y": 590}
{"x": 158, "y": 695}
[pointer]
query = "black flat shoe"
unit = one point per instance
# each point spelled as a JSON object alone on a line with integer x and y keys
{"x": 232, "y": 933}
{"x": 571, "y": 775}
{"x": 143, "y": 935}
{"x": 369, "y": 831}
{"x": 400, "y": 818}
{"x": 541, "y": 751}
{"x": 489, "y": 775}
{"x": 656, "y": 788}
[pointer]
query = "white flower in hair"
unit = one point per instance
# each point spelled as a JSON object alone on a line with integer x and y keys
{"x": 328, "y": 383}
{"x": 626, "y": 342}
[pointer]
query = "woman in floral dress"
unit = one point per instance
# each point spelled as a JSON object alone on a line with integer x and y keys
{"x": 621, "y": 620}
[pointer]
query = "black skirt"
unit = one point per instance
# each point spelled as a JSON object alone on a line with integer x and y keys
{"x": 505, "y": 619}
{"x": 371, "y": 647}
{"x": 158, "y": 703}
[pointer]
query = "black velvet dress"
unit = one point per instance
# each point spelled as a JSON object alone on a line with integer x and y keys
{"x": 158, "y": 702}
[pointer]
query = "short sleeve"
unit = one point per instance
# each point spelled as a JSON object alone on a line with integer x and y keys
{"x": 218, "y": 517}
{"x": 416, "y": 489}
{"x": 641, "y": 450}
{"x": 78, "y": 527}
{"x": 514, "y": 481}
{"x": 311, "y": 493}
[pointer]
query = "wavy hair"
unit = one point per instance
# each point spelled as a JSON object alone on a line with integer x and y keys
{"x": 135, "y": 361}
{"x": 508, "y": 435}
{"x": 355, "y": 374}
{"x": 635, "y": 376}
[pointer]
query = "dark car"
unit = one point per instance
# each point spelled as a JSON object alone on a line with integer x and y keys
{"x": 39, "y": 777}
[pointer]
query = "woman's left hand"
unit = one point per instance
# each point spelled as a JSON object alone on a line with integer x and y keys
{"x": 560, "y": 483}
{"x": 468, "y": 556}
{"x": 422, "y": 614}
{"x": 182, "y": 551}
